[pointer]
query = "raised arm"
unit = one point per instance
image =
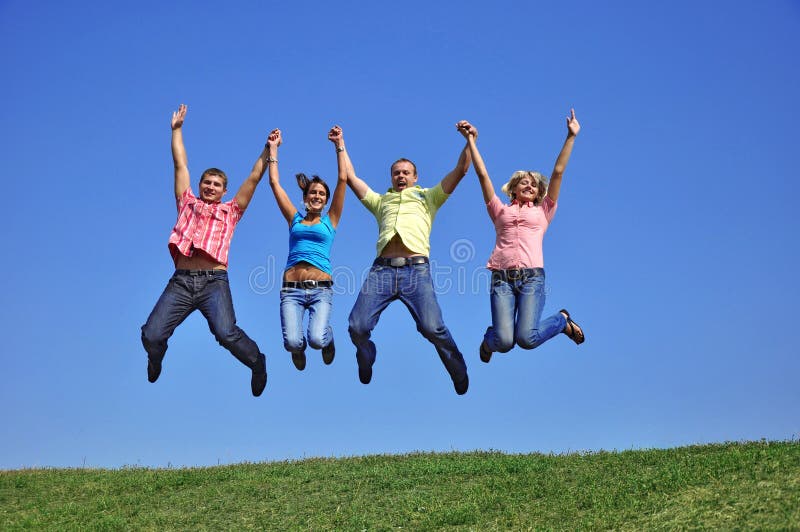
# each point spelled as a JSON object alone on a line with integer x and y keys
{"x": 356, "y": 184}
{"x": 179, "y": 152}
{"x": 471, "y": 134}
{"x": 248, "y": 188}
{"x": 343, "y": 164}
{"x": 451, "y": 180}
{"x": 285, "y": 205}
{"x": 573, "y": 127}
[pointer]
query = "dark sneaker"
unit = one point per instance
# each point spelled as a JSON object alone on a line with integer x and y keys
{"x": 328, "y": 352}
{"x": 259, "y": 379}
{"x": 462, "y": 385}
{"x": 299, "y": 360}
{"x": 153, "y": 370}
{"x": 365, "y": 373}
{"x": 486, "y": 354}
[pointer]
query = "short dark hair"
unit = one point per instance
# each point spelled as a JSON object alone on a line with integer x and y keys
{"x": 305, "y": 183}
{"x": 217, "y": 172}
{"x": 404, "y": 160}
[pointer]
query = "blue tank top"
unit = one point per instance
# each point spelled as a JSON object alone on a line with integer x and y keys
{"x": 311, "y": 243}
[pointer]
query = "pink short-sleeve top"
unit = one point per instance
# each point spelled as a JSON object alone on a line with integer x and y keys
{"x": 520, "y": 231}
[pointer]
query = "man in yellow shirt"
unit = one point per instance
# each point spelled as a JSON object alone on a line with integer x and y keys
{"x": 401, "y": 270}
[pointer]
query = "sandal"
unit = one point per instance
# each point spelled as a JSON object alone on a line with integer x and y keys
{"x": 572, "y": 329}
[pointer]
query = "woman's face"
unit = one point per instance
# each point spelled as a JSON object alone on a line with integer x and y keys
{"x": 526, "y": 190}
{"x": 316, "y": 197}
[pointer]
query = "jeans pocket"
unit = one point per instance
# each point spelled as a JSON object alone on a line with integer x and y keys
{"x": 421, "y": 269}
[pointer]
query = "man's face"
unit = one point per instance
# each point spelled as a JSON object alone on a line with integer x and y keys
{"x": 212, "y": 188}
{"x": 403, "y": 176}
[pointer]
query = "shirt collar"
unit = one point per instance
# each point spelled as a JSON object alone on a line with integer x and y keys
{"x": 391, "y": 189}
{"x": 526, "y": 204}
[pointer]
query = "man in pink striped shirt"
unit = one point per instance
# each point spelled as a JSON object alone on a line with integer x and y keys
{"x": 199, "y": 246}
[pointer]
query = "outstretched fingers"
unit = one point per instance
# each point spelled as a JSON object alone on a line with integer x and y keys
{"x": 178, "y": 116}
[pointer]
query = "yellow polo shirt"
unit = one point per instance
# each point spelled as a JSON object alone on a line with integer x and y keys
{"x": 408, "y": 213}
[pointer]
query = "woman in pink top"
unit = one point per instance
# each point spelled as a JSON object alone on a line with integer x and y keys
{"x": 517, "y": 264}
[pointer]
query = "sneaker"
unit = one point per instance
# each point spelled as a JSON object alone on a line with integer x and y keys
{"x": 259, "y": 379}
{"x": 153, "y": 370}
{"x": 364, "y": 373}
{"x": 328, "y": 352}
{"x": 486, "y": 354}
{"x": 462, "y": 385}
{"x": 299, "y": 360}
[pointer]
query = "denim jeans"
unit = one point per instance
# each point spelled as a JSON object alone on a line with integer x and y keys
{"x": 294, "y": 303}
{"x": 190, "y": 290}
{"x": 523, "y": 297}
{"x": 413, "y": 286}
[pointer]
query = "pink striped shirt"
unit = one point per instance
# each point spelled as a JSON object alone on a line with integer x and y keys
{"x": 204, "y": 226}
{"x": 520, "y": 231}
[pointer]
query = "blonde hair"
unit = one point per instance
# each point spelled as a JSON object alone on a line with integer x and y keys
{"x": 516, "y": 177}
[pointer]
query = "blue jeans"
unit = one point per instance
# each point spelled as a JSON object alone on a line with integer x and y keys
{"x": 209, "y": 292}
{"x": 523, "y": 297}
{"x": 294, "y": 303}
{"x": 413, "y": 286}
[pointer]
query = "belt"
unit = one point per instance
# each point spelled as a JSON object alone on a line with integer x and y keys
{"x": 515, "y": 274}
{"x": 201, "y": 272}
{"x": 307, "y": 284}
{"x": 399, "y": 262}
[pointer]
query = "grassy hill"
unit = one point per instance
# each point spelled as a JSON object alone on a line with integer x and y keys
{"x": 734, "y": 485}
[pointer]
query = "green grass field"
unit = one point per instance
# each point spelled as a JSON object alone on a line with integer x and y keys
{"x": 728, "y": 486}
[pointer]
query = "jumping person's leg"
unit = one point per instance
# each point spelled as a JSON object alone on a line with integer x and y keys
{"x": 320, "y": 332}
{"x": 417, "y": 292}
{"x": 531, "y": 331}
{"x": 174, "y": 305}
{"x": 292, "y": 310}
{"x": 378, "y": 290}
{"x": 216, "y": 304}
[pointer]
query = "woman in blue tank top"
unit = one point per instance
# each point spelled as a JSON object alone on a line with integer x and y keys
{"x": 307, "y": 278}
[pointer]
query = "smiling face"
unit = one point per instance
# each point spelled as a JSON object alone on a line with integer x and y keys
{"x": 316, "y": 197}
{"x": 212, "y": 188}
{"x": 526, "y": 190}
{"x": 404, "y": 175}
{"x": 526, "y": 186}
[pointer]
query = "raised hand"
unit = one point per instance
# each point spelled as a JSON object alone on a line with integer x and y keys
{"x": 275, "y": 139}
{"x": 466, "y": 129}
{"x": 335, "y": 135}
{"x": 178, "y": 116}
{"x": 573, "y": 126}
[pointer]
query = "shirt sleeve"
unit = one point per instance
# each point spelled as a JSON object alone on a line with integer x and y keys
{"x": 549, "y": 207}
{"x": 436, "y": 197}
{"x": 494, "y": 207}
{"x": 234, "y": 210}
{"x": 372, "y": 201}
{"x": 186, "y": 198}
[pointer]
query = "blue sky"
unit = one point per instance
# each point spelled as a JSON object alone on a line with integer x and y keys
{"x": 675, "y": 243}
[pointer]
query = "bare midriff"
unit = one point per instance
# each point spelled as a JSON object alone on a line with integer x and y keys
{"x": 303, "y": 271}
{"x": 198, "y": 261}
{"x": 396, "y": 248}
